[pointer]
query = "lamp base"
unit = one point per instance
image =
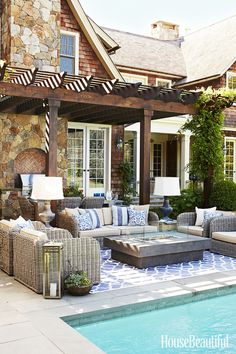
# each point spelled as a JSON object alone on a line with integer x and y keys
{"x": 166, "y": 209}
{"x": 47, "y": 215}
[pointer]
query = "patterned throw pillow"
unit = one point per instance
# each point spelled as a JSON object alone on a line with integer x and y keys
{"x": 95, "y": 216}
{"x": 137, "y": 217}
{"x": 119, "y": 216}
{"x": 84, "y": 222}
{"x": 21, "y": 223}
{"x": 208, "y": 215}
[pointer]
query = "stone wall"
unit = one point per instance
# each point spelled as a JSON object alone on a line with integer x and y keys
{"x": 21, "y": 132}
{"x": 31, "y": 33}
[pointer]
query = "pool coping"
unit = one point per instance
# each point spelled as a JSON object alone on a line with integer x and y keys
{"x": 146, "y": 306}
{"x": 45, "y": 316}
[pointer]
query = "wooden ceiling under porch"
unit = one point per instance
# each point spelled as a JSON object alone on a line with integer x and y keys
{"x": 92, "y": 100}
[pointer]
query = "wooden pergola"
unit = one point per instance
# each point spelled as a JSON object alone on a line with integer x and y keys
{"x": 92, "y": 100}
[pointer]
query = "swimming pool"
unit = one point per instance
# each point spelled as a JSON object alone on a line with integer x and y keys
{"x": 206, "y": 326}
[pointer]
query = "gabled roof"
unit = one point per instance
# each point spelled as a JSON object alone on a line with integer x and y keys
{"x": 210, "y": 51}
{"x": 109, "y": 42}
{"x": 93, "y": 39}
{"x": 148, "y": 53}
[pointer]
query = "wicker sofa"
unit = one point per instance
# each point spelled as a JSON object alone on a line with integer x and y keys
{"x": 77, "y": 254}
{"x": 69, "y": 223}
{"x": 186, "y": 224}
{"x": 223, "y": 233}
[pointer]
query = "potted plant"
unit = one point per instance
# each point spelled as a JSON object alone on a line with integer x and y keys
{"x": 78, "y": 283}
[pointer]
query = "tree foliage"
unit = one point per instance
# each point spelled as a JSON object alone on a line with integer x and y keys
{"x": 206, "y": 126}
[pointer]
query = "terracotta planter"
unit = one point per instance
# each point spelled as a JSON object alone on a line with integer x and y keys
{"x": 79, "y": 290}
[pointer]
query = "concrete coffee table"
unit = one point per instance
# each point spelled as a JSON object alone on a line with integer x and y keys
{"x": 149, "y": 250}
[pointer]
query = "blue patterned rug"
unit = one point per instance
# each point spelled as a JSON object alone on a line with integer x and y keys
{"x": 117, "y": 275}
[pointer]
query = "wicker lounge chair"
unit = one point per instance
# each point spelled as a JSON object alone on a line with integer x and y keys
{"x": 69, "y": 202}
{"x": 223, "y": 233}
{"x": 92, "y": 202}
{"x": 77, "y": 254}
{"x": 28, "y": 208}
{"x": 6, "y": 247}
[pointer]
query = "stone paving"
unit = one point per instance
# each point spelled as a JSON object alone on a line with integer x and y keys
{"x": 30, "y": 324}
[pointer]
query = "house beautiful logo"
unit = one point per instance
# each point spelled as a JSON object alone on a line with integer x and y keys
{"x": 211, "y": 342}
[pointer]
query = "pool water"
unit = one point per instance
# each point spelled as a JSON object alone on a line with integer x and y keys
{"x": 207, "y": 326}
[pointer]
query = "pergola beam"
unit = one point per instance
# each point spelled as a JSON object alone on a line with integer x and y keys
{"x": 94, "y": 98}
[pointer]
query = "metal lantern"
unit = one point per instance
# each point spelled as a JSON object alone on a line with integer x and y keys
{"x": 52, "y": 270}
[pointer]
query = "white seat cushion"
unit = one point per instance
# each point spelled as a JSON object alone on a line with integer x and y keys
{"x": 192, "y": 230}
{"x": 226, "y": 236}
{"x": 101, "y": 232}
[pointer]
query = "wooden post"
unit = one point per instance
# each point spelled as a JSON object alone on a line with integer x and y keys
{"x": 53, "y": 106}
{"x": 145, "y": 135}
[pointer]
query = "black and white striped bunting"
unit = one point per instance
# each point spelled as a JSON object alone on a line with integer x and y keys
{"x": 53, "y": 82}
{"x": 79, "y": 85}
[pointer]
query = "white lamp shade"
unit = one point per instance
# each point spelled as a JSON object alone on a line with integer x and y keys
{"x": 47, "y": 188}
{"x": 166, "y": 186}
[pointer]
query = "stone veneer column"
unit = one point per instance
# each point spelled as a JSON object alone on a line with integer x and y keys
{"x": 31, "y": 33}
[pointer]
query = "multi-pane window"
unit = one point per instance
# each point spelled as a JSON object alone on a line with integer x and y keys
{"x": 163, "y": 83}
{"x": 68, "y": 53}
{"x": 231, "y": 80}
{"x": 157, "y": 160}
{"x": 131, "y": 78}
{"x": 230, "y": 159}
{"x": 75, "y": 151}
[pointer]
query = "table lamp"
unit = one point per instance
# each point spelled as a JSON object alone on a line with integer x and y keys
{"x": 166, "y": 187}
{"x": 47, "y": 189}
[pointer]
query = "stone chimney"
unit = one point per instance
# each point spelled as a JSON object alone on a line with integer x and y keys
{"x": 31, "y": 33}
{"x": 165, "y": 30}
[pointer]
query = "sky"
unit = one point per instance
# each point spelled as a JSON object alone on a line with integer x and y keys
{"x": 137, "y": 15}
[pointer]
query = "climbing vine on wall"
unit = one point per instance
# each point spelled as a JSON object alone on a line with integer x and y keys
{"x": 207, "y": 159}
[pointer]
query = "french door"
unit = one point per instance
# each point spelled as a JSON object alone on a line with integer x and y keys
{"x": 230, "y": 159}
{"x": 88, "y": 159}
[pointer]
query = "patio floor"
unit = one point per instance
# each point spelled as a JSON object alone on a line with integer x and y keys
{"x": 116, "y": 275}
{"x": 29, "y": 324}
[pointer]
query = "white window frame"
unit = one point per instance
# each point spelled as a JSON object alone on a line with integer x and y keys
{"x": 228, "y": 74}
{"x": 164, "y": 80}
{"x": 233, "y": 140}
{"x": 132, "y": 78}
{"x": 77, "y": 38}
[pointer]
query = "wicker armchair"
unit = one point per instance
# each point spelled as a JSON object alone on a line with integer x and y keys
{"x": 223, "y": 233}
{"x": 186, "y": 224}
{"x": 77, "y": 254}
{"x": 69, "y": 202}
{"x": 28, "y": 208}
{"x": 6, "y": 246}
{"x": 92, "y": 202}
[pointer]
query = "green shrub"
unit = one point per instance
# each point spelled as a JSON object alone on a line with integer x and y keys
{"x": 73, "y": 191}
{"x": 223, "y": 195}
{"x": 187, "y": 201}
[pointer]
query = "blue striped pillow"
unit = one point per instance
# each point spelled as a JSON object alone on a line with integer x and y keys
{"x": 119, "y": 216}
{"x": 96, "y": 222}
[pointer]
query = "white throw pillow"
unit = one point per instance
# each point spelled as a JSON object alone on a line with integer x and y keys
{"x": 200, "y": 215}
{"x": 107, "y": 216}
{"x": 72, "y": 211}
{"x": 22, "y": 223}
